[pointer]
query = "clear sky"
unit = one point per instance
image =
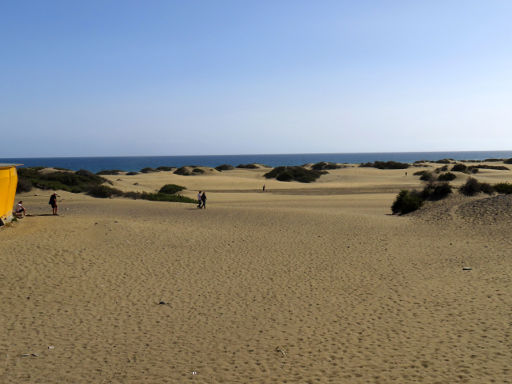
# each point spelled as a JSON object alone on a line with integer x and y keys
{"x": 189, "y": 77}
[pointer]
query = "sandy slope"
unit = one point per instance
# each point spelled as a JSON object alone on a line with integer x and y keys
{"x": 293, "y": 286}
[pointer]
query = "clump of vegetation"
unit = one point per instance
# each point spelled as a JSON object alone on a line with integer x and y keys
{"x": 248, "y": 166}
{"x": 171, "y": 189}
{"x": 91, "y": 184}
{"x": 409, "y": 201}
{"x": 424, "y": 175}
{"x": 459, "y": 167}
{"x": 444, "y": 161}
{"x": 148, "y": 170}
{"x": 109, "y": 172}
{"x": 436, "y": 191}
{"x": 294, "y": 173}
{"x": 508, "y": 161}
{"x": 485, "y": 166}
{"x": 385, "y": 165}
{"x": 473, "y": 186}
{"x": 448, "y": 176}
{"x": 76, "y": 182}
{"x": 168, "y": 192}
{"x": 224, "y": 167}
{"x": 159, "y": 197}
{"x": 444, "y": 168}
{"x": 132, "y": 173}
{"x": 406, "y": 201}
{"x": 323, "y": 165}
{"x": 505, "y": 188}
{"x": 427, "y": 176}
{"x": 186, "y": 171}
{"x": 24, "y": 185}
{"x": 493, "y": 160}
{"x": 165, "y": 168}
{"x": 104, "y": 191}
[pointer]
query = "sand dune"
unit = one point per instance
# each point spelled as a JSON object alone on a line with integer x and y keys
{"x": 307, "y": 283}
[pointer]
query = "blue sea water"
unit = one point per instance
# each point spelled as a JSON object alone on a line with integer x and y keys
{"x": 135, "y": 163}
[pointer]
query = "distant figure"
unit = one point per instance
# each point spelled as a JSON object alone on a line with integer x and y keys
{"x": 20, "y": 210}
{"x": 405, "y": 173}
{"x": 53, "y": 203}
{"x": 203, "y": 199}
{"x": 263, "y": 188}
{"x": 199, "y": 201}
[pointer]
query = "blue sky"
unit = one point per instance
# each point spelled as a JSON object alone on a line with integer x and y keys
{"x": 93, "y": 78}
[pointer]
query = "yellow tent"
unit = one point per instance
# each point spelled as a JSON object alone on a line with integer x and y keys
{"x": 8, "y": 184}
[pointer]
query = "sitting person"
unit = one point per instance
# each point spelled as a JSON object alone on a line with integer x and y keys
{"x": 20, "y": 210}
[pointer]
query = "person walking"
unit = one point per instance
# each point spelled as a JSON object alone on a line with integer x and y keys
{"x": 53, "y": 203}
{"x": 199, "y": 200}
{"x": 203, "y": 199}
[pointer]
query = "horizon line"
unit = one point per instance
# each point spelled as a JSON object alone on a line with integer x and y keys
{"x": 252, "y": 154}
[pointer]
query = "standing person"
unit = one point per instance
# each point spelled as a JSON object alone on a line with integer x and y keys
{"x": 199, "y": 200}
{"x": 203, "y": 199}
{"x": 53, "y": 203}
{"x": 263, "y": 188}
{"x": 20, "y": 210}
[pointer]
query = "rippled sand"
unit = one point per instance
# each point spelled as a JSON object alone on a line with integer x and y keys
{"x": 302, "y": 284}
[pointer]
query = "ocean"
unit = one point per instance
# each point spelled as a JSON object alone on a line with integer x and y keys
{"x": 136, "y": 163}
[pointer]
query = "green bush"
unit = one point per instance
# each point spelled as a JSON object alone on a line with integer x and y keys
{"x": 294, "y": 173}
{"x": 159, "y": 197}
{"x": 406, "y": 201}
{"x": 185, "y": 171}
{"x": 444, "y": 161}
{"x": 459, "y": 168}
{"x": 448, "y": 176}
{"x": 385, "y": 165}
{"x": 427, "y": 176}
{"x": 109, "y": 172}
{"x": 24, "y": 185}
{"x": 79, "y": 181}
{"x": 171, "y": 189}
{"x": 487, "y": 188}
{"x": 323, "y": 165}
{"x": 248, "y": 166}
{"x": 444, "y": 168}
{"x": 148, "y": 170}
{"x": 165, "y": 168}
{"x": 436, "y": 191}
{"x": 485, "y": 166}
{"x": 505, "y": 188}
{"x": 472, "y": 187}
{"x": 132, "y": 173}
{"x": 103, "y": 191}
{"x": 224, "y": 167}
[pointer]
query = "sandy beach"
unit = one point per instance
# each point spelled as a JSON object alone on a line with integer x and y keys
{"x": 305, "y": 283}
